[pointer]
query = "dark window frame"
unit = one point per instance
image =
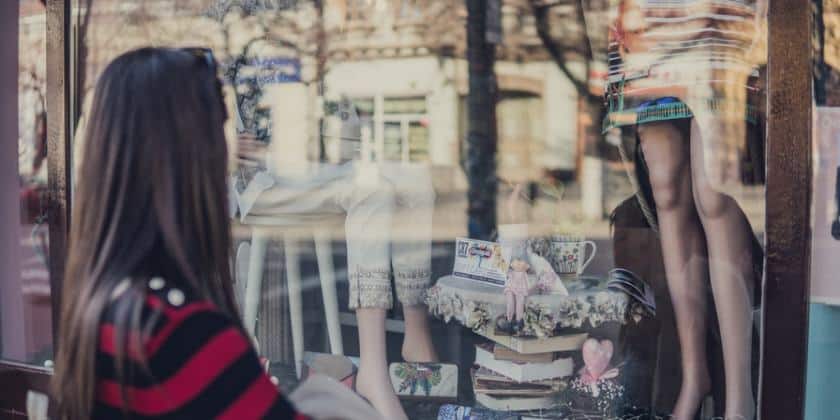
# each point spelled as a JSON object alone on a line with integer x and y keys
{"x": 15, "y": 378}
{"x": 788, "y": 204}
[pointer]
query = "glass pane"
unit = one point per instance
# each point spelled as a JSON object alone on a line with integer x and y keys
{"x": 405, "y": 105}
{"x": 393, "y": 141}
{"x": 418, "y": 141}
{"x": 824, "y": 328}
{"x": 398, "y": 134}
{"x": 25, "y": 305}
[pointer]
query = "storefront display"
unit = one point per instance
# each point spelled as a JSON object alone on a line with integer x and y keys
{"x": 628, "y": 279}
{"x": 556, "y": 353}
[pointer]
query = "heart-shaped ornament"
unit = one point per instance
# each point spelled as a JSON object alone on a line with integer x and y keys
{"x": 597, "y": 356}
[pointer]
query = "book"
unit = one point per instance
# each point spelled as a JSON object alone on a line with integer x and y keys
{"x": 501, "y": 352}
{"x": 462, "y": 412}
{"x": 526, "y": 345}
{"x": 501, "y": 386}
{"x": 515, "y": 403}
{"x": 489, "y": 377}
{"x": 523, "y": 372}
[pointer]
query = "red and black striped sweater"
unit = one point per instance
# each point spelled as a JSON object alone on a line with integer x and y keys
{"x": 200, "y": 365}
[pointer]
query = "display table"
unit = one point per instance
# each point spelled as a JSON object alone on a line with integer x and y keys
{"x": 475, "y": 304}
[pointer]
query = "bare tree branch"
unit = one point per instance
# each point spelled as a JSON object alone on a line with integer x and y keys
{"x": 541, "y": 11}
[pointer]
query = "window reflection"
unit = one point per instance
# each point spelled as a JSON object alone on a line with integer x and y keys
{"x": 352, "y": 170}
{"x": 25, "y": 305}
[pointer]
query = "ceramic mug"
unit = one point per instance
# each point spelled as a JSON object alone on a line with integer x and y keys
{"x": 568, "y": 254}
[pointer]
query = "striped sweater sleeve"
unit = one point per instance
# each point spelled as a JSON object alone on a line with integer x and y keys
{"x": 200, "y": 366}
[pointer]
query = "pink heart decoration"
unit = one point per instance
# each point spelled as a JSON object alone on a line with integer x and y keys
{"x": 597, "y": 356}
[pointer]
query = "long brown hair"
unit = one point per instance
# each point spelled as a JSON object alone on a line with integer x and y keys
{"x": 151, "y": 200}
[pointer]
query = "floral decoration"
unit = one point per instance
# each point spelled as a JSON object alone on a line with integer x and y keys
{"x": 637, "y": 312}
{"x": 474, "y": 315}
{"x": 610, "y": 392}
{"x": 477, "y": 316}
{"x": 603, "y": 309}
{"x": 580, "y": 310}
{"x": 571, "y": 313}
{"x": 539, "y": 321}
{"x": 444, "y": 306}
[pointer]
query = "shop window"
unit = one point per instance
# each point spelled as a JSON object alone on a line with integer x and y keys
{"x": 608, "y": 273}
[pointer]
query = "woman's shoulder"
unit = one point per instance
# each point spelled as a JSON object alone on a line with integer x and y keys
{"x": 194, "y": 361}
{"x": 155, "y": 296}
{"x": 167, "y": 313}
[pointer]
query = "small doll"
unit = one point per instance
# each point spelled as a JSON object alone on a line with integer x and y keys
{"x": 517, "y": 290}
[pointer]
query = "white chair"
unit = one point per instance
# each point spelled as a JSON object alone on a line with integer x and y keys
{"x": 291, "y": 231}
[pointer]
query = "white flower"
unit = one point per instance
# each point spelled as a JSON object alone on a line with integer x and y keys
{"x": 476, "y": 316}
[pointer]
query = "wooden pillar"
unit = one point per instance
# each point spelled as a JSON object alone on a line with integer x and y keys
{"x": 788, "y": 209}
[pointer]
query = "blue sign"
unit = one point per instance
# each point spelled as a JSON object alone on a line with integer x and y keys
{"x": 269, "y": 70}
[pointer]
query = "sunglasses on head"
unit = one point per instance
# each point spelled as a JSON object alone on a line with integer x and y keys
{"x": 204, "y": 55}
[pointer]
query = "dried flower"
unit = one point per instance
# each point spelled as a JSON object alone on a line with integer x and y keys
{"x": 431, "y": 299}
{"x": 607, "y": 394}
{"x": 539, "y": 321}
{"x": 449, "y": 306}
{"x": 572, "y": 313}
{"x": 477, "y": 316}
{"x": 637, "y": 312}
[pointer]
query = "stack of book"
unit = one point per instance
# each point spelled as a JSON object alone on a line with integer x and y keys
{"x": 519, "y": 378}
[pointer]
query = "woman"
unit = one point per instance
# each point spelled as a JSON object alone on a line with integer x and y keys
{"x": 149, "y": 324}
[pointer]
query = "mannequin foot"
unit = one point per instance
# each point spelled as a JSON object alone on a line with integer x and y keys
{"x": 744, "y": 411}
{"x": 417, "y": 342}
{"x": 377, "y": 389}
{"x": 419, "y": 350}
{"x": 691, "y": 399}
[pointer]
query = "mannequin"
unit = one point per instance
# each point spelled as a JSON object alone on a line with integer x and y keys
{"x": 411, "y": 228}
{"x": 388, "y": 208}
{"x": 683, "y": 77}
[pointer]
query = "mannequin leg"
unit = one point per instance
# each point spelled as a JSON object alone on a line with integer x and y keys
{"x": 684, "y": 251}
{"x": 417, "y": 345}
{"x": 411, "y": 253}
{"x": 520, "y": 308}
{"x": 510, "y": 301}
{"x": 368, "y": 227}
{"x": 730, "y": 263}
{"x": 373, "y": 381}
